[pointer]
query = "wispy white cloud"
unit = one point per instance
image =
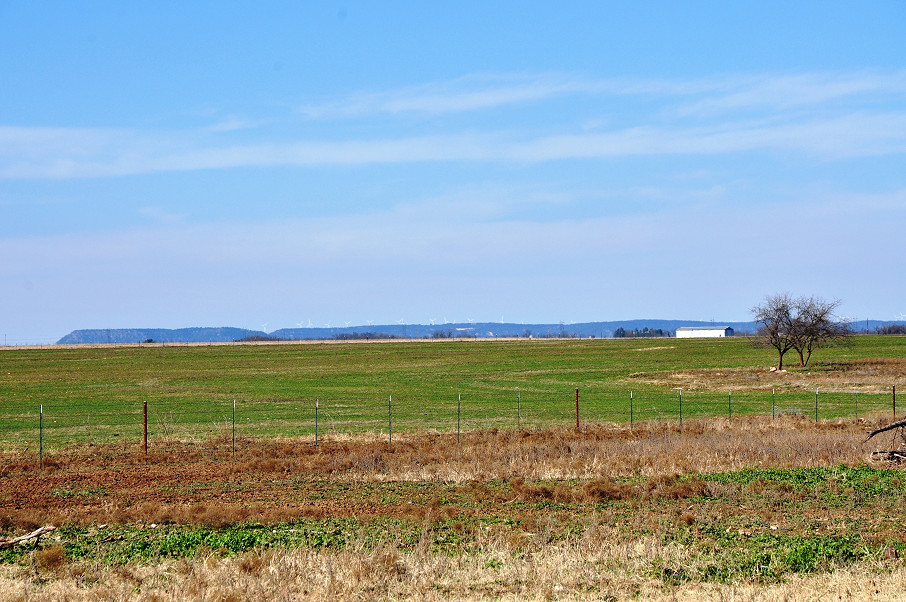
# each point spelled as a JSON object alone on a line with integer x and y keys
{"x": 690, "y": 97}
{"x": 469, "y": 93}
{"x": 698, "y": 117}
{"x": 87, "y": 154}
{"x": 785, "y": 92}
{"x": 234, "y": 123}
{"x": 443, "y": 230}
{"x": 159, "y": 215}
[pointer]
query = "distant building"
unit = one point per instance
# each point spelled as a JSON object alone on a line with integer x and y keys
{"x": 703, "y": 332}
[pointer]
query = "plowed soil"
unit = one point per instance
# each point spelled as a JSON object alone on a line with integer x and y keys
{"x": 269, "y": 481}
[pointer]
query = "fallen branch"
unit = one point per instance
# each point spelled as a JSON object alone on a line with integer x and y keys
{"x": 889, "y": 427}
{"x": 36, "y": 534}
{"x": 888, "y": 456}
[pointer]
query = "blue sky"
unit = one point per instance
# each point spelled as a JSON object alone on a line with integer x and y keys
{"x": 267, "y": 165}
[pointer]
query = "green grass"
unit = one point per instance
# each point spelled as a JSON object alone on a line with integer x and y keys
{"x": 756, "y": 525}
{"x": 97, "y": 394}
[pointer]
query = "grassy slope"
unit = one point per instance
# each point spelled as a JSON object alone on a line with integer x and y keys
{"x": 98, "y": 393}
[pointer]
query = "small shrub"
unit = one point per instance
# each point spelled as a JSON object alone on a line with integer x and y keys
{"x": 602, "y": 490}
{"x": 51, "y": 558}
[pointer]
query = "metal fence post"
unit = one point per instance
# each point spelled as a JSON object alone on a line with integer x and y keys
{"x": 316, "y": 422}
{"x": 577, "y": 408}
{"x": 41, "y": 436}
{"x": 816, "y": 404}
{"x": 730, "y": 405}
{"x": 681, "y": 407}
{"x": 518, "y": 411}
{"x": 458, "y": 416}
{"x": 390, "y": 418}
{"x": 631, "y": 417}
{"x": 234, "y": 428}
{"x": 145, "y": 425}
{"x": 773, "y": 405}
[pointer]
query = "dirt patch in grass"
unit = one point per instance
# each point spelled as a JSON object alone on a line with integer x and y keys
{"x": 857, "y": 376}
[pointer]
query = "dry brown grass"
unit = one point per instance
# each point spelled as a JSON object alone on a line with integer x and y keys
{"x": 856, "y": 376}
{"x": 203, "y": 484}
{"x": 589, "y": 567}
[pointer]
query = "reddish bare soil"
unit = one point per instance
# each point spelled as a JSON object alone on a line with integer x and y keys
{"x": 267, "y": 481}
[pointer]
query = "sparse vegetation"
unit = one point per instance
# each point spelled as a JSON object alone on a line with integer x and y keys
{"x": 608, "y": 512}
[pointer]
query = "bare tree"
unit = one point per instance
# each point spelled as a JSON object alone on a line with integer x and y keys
{"x": 775, "y": 319}
{"x": 815, "y": 325}
{"x": 803, "y": 324}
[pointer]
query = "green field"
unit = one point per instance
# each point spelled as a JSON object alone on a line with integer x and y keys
{"x": 97, "y": 394}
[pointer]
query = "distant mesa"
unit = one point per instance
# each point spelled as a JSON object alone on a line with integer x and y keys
{"x": 100, "y": 336}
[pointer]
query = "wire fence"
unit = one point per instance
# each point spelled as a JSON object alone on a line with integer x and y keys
{"x": 54, "y": 425}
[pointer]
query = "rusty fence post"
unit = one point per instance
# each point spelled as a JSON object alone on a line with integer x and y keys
{"x": 41, "y": 435}
{"x": 145, "y": 425}
{"x": 577, "y": 408}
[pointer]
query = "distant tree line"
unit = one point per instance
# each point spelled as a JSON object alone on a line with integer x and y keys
{"x": 365, "y": 336}
{"x": 563, "y": 334}
{"x": 891, "y": 329}
{"x": 259, "y": 338}
{"x": 646, "y": 332}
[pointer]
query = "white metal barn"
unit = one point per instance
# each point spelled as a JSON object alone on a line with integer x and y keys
{"x": 703, "y": 332}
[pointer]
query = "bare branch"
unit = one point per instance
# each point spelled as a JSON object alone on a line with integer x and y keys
{"x": 889, "y": 427}
{"x": 33, "y": 535}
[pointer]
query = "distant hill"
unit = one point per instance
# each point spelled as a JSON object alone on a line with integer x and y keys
{"x": 157, "y": 335}
{"x": 407, "y": 331}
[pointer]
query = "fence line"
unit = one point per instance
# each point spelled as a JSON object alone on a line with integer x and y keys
{"x": 60, "y": 424}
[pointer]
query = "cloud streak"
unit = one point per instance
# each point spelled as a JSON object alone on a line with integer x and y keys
{"x": 90, "y": 154}
{"x": 829, "y": 116}
{"x": 697, "y": 96}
